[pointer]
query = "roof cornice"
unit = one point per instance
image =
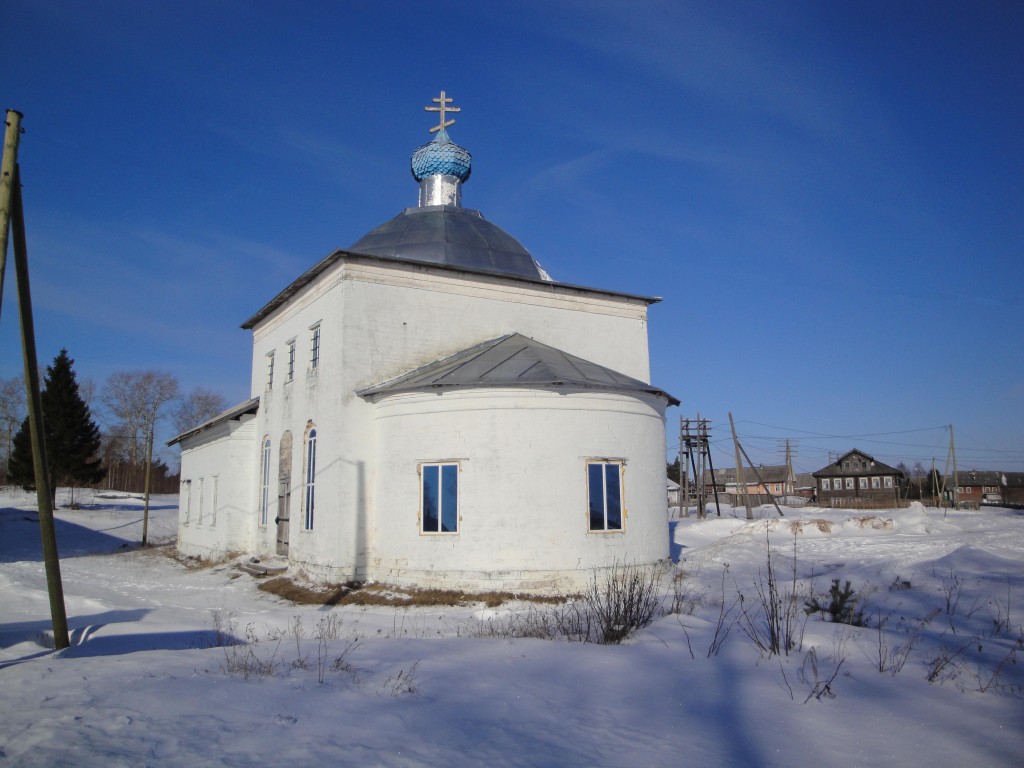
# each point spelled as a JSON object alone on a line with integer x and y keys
{"x": 235, "y": 412}
{"x": 342, "y": 255}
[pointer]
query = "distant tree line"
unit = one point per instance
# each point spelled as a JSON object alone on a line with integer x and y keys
{"x": 921, "y": 484}
{"x": 81, "y": 455}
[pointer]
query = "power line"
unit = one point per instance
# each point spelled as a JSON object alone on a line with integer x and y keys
{"x": 844, "y": 437}
{"x": 839, "y": 437}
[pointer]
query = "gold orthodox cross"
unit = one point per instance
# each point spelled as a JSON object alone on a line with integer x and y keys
{"x": 442, "y": 107}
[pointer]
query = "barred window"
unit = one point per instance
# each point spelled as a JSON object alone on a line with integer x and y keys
{"x": 314, "y": 347}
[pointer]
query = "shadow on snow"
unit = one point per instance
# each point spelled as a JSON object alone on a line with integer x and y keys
{"x": 19, "y": 534}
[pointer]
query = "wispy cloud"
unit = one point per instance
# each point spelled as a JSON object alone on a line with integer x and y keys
{"x": 745, "y": 65}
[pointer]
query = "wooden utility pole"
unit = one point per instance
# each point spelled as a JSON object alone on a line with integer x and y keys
{"x": 11, "y": 177}
{"x": 714, "y": 482}
{"x": 760, "y": 481}
{"x": 10, "y": 161}
{"x": 693, "y": 449}
{"x": 740, "y": 484}
{"x": 956, "y": 478}
{"x": 698, "y": 476}
{"x": 684, "y": 473}
{"x": 149, "y": 464}
{"x": 789, "y": 469}
{"x": 945, "y": 473}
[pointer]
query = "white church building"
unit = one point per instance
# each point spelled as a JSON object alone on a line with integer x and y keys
{"x": 430, "y": 409}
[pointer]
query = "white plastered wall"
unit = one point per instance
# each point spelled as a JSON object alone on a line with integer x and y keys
{"x": 523, "y": 519}
{"x": 218, "y": 484}
{"x": 378, "y": 320}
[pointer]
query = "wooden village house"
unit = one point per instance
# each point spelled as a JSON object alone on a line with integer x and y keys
{"x": 975, "y": 487}
{"x": 856, "y": 479}
{"x": 761, "y": 484}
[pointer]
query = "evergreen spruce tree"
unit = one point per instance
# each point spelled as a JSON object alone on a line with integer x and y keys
{"x": 72, "y": 437}
{"x": 19, "y": 464}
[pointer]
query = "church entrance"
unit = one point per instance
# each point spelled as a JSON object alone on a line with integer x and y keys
{"x": 284, "y": 493}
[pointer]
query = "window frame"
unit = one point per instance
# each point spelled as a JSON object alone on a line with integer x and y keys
{"x": 862, "y": 483}
{"x": 290, "y": 374}
{"x": 188, "y": 500}
{"x": 444, "y": 495}
{"x": 213, "y": 501}
{"x": 265, "y": 483}
{"x": 309, "y": 481}
{"x": 620, "y": 500}
{"x": 826, "y": 484}
{"x": 849, "y": 483}
{"x": 888, "y": 481}
{"x": 199, "y": 517}
{"x": 314, "y": 347}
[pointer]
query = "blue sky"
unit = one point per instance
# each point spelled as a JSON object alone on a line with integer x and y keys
{"x": 829, "y": 196}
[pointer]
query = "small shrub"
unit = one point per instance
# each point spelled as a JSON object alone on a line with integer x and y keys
{"x": 685, "y": 597}
{"x": 615, "y": 604}
{"x": 841, "y": 607}
{"x": 243, "y": 659}
{"x": 898, "y": 585}
{"x": 771, "y": 620}
{"x": 535, "y": 623}
{"x": 812, "y": 673}
{"x": 404, "y": 682}
{"x": 224, "y": 627}
{"x": 892, "y": 659}
{"x": 623, "y": 601}
{"x": 945, "y": 667}
{"x": 727, "y": 617}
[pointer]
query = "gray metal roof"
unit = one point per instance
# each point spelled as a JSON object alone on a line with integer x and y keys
{"x": 805, "y": 480}
{"x": 451, "y": 235}
{"x": 974, "y": 477}
{"x": 775, "y": 473}
{"x": 875, "y": 467}
{"x": 234, "y": 412}
{"x": 514, "y": 361}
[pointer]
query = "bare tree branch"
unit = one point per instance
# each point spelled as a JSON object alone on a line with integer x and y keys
{"x": 135, "y": 399}
{"x": 197, "y": 406}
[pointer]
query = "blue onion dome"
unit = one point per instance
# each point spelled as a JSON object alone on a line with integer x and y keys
{"x": 441, "y": 157}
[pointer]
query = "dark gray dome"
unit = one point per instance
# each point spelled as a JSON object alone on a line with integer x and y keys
{"x": 453, "y": 236}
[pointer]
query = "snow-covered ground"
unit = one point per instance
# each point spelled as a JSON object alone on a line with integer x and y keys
{"x": 147, "y": 684}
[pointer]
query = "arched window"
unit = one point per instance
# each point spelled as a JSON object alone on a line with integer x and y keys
{"x": 310, "y": 478}
{"x": 265, "y": 486}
